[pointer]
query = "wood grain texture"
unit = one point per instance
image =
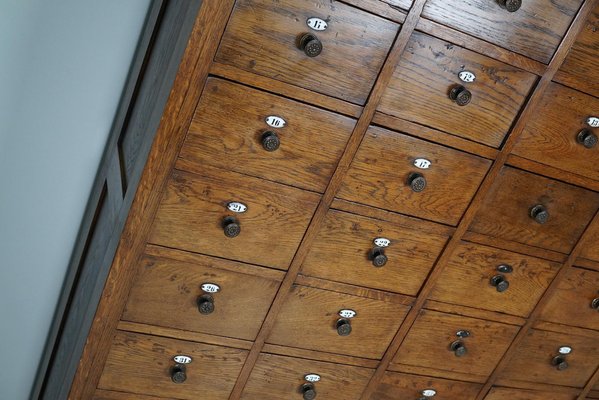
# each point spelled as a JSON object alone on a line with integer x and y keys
{"x": 419, "y": 90}
{"x": 479, "y": 313}
{"x": 342, "y": 252}
{"x": 589, "y": 264}
{"x": 315, "y": 355}
{"x": 110, "y": 395}
{"x": 263, "y": 39}
{"x": 275, "y": 377}
{"x": 505, "y": 213}
{"x": 403, "y": 386}
{"x": 390, "y": 9}
{"x": 379, "y": 173}
{"x": 227, "y": 130}
{"x": 500, "y": 393}
{"x": 471, "y": 268}
{"x": 591, "y": 250}
{"x": 535, "y": 30}
{"x": 193, "y": 208}
{"x": 141, "y": 364}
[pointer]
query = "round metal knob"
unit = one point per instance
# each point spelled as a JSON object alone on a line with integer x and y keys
{"x": 178, "y": 374}
{"x": 595, "y": 304}
{"x": 270, "y": 141}
{"x": 511, "y": 5}
{"x": 378, "y": 257}
{"x": 308, "y": 391}
{"x": 560, "y": 362}
{"x": 417, "y": 182}
{"x": 500, "y": 283}
{"x": 206, "y": 304}
{"x": 343, "y": 327}
{"x": 587, "y": 138}
{"x": 539, "y": 213}
{"x": 458, "y": 348}
{"x": 231, "y": 227}
{"x": 460, "y": 95}
{"x": 310, "y": 45}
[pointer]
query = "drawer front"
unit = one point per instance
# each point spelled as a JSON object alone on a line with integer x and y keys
{"x": 202, "y": 294}
{"x": 522, "y": 394}
{"x": 576, "y": 300}
{"x": 382, "y": 171}
{"x": 229, "y": 131}
{"x": 535, "y": 30}
{"x": 345, "y": 251}
{"x": 276, "y": 377}
{"x": 266, "y": 40}
{"x": 144, "y": 364}
{"x": 194, "y": 210}
{"x": 590, "y": 250}
{"x": 507, "y": 211}
{"x": 428, "y": 71}
{"x": 580, "y": 68}
{"x": 533, "y": 359}
{"x": 495, "y": 280}
{"x": 559, "y": 135}
{"x": 109, "y": 395}
{"x": 434, "y": 341}
{"x": 396, "y": 386}
{"x": 310, "y": 316}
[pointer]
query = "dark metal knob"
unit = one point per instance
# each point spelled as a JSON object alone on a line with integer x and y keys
{"x": 417, "y": 182}
{"x": 178, "y": 374}
{"x": 270, "y": 141}
{"x": 500, "y": 283}
{"x": 458, "y": 348}
{"x": 587, "y": 138}
{"x": 595, "y": 304}
{"x": 231, "y": 227}
{"x": 460, "y": 95}
{"x": 511, "y": 5}
{"x": 308, "y": 391}
{"x": 310, "y": 45}
{"x": 539, "y": 213}
{"x": 206, "y": 304}
{"x": 378, "y": 257}
{"x": 343, "y": 327}
{"x": 560, "y": 362}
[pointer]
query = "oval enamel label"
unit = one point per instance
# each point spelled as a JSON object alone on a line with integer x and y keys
{"x": 565, "y": 350}
{"x": 467, "y": 76}
{"x": 275, "y": 122}
{"x": 382, "y": 242}
{"x": 237, "y": 207}
{"x": 347, "y": 313}
{"x": 593, "y": 122}
{"x": 181, "y": 359}
{"x": 429, "y": 392}
{"x": 317, "y": 24}
{"x": 422, "y": 163}
{"x": 462, "y": 334}
{"x": 210, "y": 287}
{"x": 312, "y": 377}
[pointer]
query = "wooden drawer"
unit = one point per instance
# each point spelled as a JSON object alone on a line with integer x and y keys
{"x": 344, "y": 251}
{"x": 396, "y": 386}
{"x": 532, "y": 360}
{"x": 429, "y": 69}
{"x": 497, "y": 393}
{"x": 143, "y": 364}
{"x": 380, "y": 172}
{"x": 572, "y": 303}
{"x": 194, "y": 207}
{"x": 110, "y": 395}
{"x": 535, "y": 30}
{"x": 276, "y": 377}
{"x": 551, "y": 135}
{"x": 428, "y": 345}
{"x": 229, "y": 127}
{"x": 168, "y": 291}
{"x": 263, "y": 39}
{"x": 309, "y": 316}
{"x": 467, "y": 280}
{"x": 580, "y": 68}
{"x": 591, "y": 250}
{"x": 506, "y": 211}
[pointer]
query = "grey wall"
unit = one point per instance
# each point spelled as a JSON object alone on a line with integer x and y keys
{"x": 63, "y": 64}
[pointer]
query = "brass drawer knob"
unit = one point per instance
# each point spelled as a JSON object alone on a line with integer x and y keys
{"x": 308, "y": 391}
{"x": 310, "y": 44}
{"x": 500, "y": 283}
{"x": 539, "y": 213}
{"x": 458, "y": 348}
{"x": 460, "y": 95}
{"x": 206, "y": 304}
{"x": 560, "y": 362}
{"x": 587, "y": 138}
{"x": 511, "y": 5}
{"x": 417, "y": 182}
{"x": 595, "y": 304}
{"x": 270, "y": 141}
{"x": 231, "y": 227}
{"x": 378, "y": 257}
{"x": 178, "y": 374}
{"x": 343, "y": 327}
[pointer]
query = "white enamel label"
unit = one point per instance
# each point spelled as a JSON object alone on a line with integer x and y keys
{"x": 467, "y": 76}
{"x": 429, "y": 392}
{"x": 565, "y": 350}
{"x": 275, "y": 122}
{"x": 181, "y": 359}
{"x": 422, "y": 163}
{"x": 210, "y": 288}
{"x": 382, "y": 242}
{"x": 237, "y": 207}
{"x": 347, "y": 313}
{"x": 317, "y": 24}
{"x": 312, "y": 377}
{"x": 593, "y": 122}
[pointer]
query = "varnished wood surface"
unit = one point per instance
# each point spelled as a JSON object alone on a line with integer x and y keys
{"x": 391, "y": 9}
{"x": 535, "y": 30}
{"x": 479, "y": 313}
{"x": 315, "y": 355}
{"x": 403, "y": 386}
{"x": 263, "y": 39}
{"x": 429, "y": 69}
{"x": 591, "y": 250}
{"x": 500, "y": 393}
{"x": 110, "y": 395}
